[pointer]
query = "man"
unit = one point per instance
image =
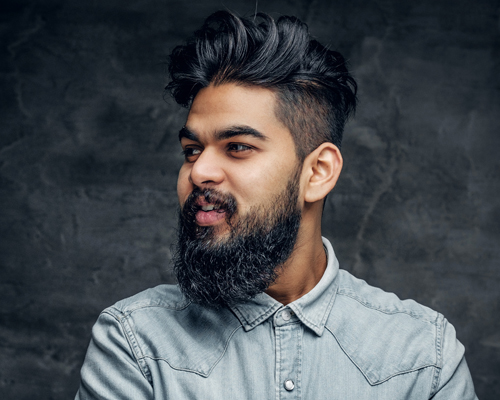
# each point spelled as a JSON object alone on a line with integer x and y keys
{"x": 262, "y": 310}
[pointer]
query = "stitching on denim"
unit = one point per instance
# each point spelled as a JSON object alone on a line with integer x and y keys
{"x": 323, "y": 311}
{"x": 132, "y": 342}
{"x": 330, "y": 305}
{"x": 347, "y": 354}
{"x": 129, "y": 310}
{"x": 277, "y": 371}
{"x": 256, "y": 321}
{"x": 204, "y": 375}
{"x": 363, "y": 302}
{"x": 439, "y": 353}
{"x": 330, "y": 292}
{"x": 300, "y": 334}
{"x": 377, "y": 382}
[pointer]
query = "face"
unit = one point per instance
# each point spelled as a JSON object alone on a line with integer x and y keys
{"x": 239, "y": 189}
{"x": 234, "y": 144}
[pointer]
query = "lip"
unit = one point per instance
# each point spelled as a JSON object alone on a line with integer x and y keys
{"x": 208, "y": 218}
{"x": 210, "y": 213}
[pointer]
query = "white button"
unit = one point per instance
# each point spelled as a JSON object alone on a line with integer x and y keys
{"x": 289, "y": 385}
{"x": 286, "y": 316}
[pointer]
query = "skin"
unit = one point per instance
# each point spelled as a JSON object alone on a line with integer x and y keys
{"x": 234, "y": 142}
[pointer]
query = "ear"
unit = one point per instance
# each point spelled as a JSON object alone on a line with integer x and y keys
{"x": 322, "y": 168}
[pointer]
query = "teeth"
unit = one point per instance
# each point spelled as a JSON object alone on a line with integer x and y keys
{"x": 209, "y": 207}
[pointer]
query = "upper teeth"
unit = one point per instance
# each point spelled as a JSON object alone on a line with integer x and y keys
{"x": 210, "y": 207}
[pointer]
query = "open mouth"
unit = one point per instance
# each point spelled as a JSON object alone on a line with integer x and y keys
{"x": 209, "y": 207}
{"x": 209, "y": 214}
{"x": 210, "y": 210}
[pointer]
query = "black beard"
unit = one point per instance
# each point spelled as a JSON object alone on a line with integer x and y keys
{"x": 219, "y": 271}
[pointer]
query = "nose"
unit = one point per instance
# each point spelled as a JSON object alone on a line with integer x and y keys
{"x": 207, "y": 170}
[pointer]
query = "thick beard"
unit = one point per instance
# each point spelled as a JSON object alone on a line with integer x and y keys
{"x": 217, "y": 271}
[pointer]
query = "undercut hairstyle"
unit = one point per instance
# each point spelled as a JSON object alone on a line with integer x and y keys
{"x": 315, "y": 92}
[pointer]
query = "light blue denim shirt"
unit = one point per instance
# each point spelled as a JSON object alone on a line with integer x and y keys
{"x": 342, "y": 340}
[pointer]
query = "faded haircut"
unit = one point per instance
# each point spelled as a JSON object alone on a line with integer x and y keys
{"x": 315, "y": 92}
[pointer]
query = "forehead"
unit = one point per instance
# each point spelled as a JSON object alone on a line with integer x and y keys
{"x": 216, "y": 108}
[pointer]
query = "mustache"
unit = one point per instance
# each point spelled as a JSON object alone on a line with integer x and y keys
{"x": 224, "y": 202}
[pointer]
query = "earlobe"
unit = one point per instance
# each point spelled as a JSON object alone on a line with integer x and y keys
{"x": 323, "y": 165}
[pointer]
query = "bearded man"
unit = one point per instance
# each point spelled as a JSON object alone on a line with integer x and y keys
{"x": 261, "y": 309}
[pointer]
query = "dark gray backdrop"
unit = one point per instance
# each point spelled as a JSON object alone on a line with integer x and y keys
{"x": 88, "y": 164}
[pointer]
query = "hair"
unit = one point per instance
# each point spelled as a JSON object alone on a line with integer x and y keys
{"x": 315, "y": 92}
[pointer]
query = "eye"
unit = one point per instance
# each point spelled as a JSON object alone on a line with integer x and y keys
{"x": 191, "y": 153}
{"x": 238, "y": 147}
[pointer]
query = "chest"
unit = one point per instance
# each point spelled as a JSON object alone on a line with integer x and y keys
{"x": 276, "y": 360}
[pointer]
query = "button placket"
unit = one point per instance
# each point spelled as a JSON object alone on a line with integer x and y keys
{"x": 288, "y": 334}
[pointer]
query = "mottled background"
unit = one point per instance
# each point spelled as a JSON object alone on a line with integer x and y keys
{"x": 88, "y": 164}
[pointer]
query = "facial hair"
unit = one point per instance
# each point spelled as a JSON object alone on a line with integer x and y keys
{"x": 215, "y": 269}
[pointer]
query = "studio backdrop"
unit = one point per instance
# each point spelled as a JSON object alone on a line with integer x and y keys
{"x": 89, "y": 157}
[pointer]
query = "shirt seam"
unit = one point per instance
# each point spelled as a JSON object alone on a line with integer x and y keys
{"x": 129, "y": 310}
{"x": 204, "y": 375}
{"x": 257, "y": 320}
{"x": 413, "y": 315}
{"x": 378, "y": 382}
{"x": 132, "y": 342}
{"x": 439, "y": 354}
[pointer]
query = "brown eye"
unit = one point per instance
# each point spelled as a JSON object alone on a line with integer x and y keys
{"x": 237, "y": 147}
{"x": 190, "y": 153}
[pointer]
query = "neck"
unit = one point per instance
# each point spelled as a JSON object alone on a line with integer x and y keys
{"x": 302, "y": 271}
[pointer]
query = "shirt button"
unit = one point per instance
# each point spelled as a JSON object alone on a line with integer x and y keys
{"x": 286, "y": 316}
{"x": 289, "y": 385}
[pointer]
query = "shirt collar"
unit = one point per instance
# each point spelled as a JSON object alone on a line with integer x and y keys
{"x": 312, "y": 309}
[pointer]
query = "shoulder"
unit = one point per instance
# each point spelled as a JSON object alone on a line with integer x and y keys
{"x": 164, "y": 308}
{"x": 161, "y": 324}
{"x": 381, "y": 302}
{"x": 382, "y": 334}
{"x": 163, "y": 296}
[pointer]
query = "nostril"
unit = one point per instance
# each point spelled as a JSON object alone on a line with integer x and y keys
{"x": 206, "y": 170}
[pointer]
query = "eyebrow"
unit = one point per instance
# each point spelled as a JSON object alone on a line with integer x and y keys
{"x": 186, "y": 133}
{"x": 228, "y": 133}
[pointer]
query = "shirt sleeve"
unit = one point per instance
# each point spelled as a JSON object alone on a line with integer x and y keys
{"x": 454, "y": 381}
{"x": 111, "y": 369}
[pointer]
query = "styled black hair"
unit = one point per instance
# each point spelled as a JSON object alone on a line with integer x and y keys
{"x": 315, "y": 92}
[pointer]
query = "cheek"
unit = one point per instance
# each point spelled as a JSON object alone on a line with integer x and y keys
{"x": 259, "y": 185}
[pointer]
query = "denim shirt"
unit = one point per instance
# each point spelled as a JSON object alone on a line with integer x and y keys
{"x": 342, "y": 340}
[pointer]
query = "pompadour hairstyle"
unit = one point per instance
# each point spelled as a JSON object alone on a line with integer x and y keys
{"x": 314, "y": 90}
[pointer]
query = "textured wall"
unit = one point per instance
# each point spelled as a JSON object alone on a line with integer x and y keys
{"x": 88, "y": 163}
